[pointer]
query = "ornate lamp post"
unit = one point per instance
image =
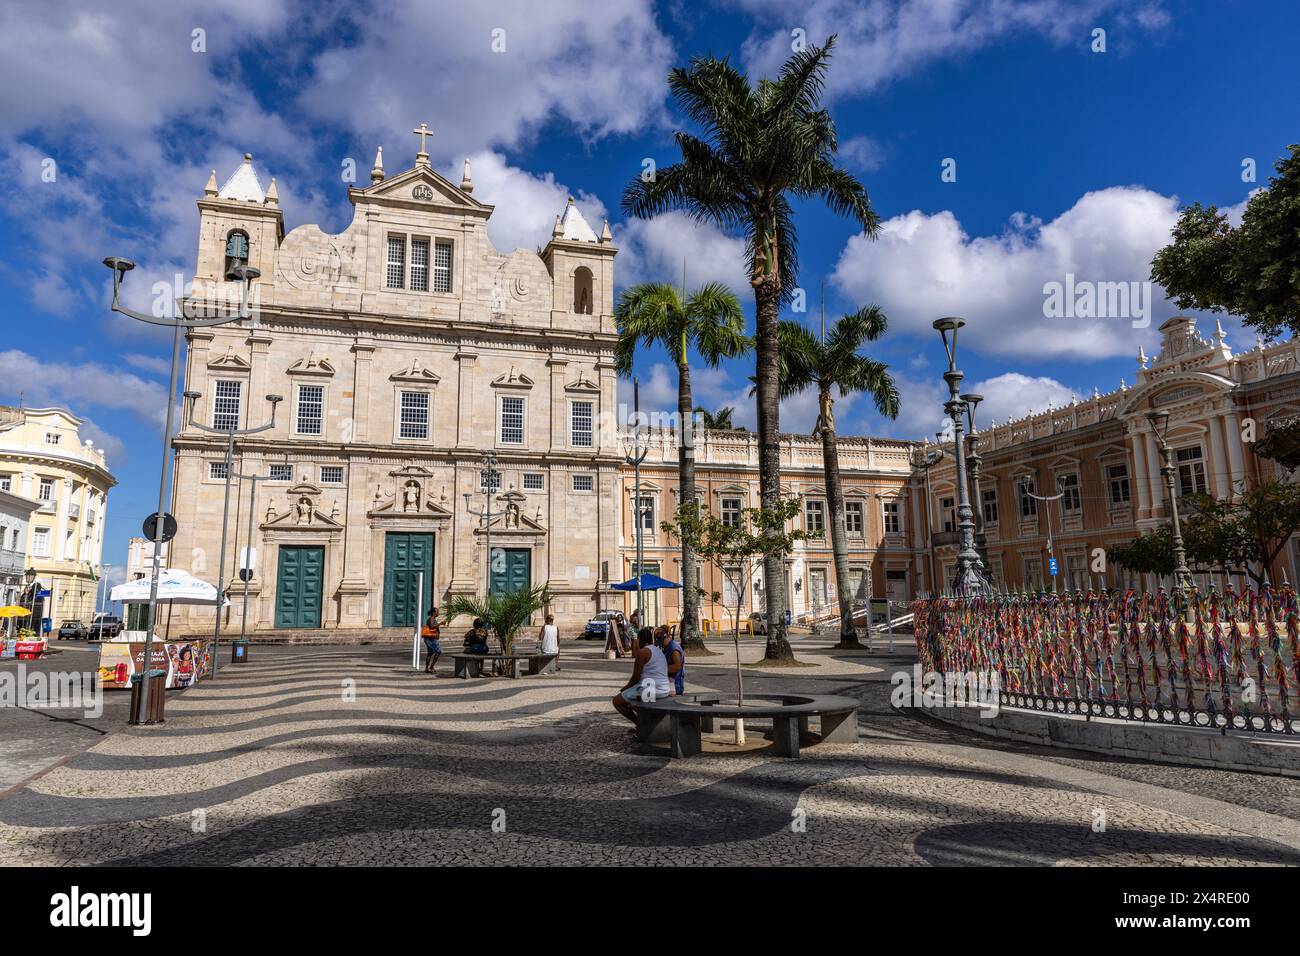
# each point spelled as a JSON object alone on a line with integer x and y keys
{"x": 970, "y": 579}
{"x": 637, "y": 448}
{"x": 973, "y": 464}
{"x": 490, "y": 482}
{"x": 245, "y": 274}
{"x": 231, "y": 434}
{"x": 1160, "y": 425}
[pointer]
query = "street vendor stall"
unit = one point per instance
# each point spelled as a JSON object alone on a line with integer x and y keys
{"x": 186, "y": 660}
{"x": 22, "y": 643}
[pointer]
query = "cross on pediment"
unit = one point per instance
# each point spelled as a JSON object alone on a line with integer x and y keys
{"x": 423, "y": 132}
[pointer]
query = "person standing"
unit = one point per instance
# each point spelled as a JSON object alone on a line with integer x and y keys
{"x": 549, "y": 638}
{"x": 432, "y": 635}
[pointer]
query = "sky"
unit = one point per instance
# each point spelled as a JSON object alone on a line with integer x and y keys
{"x": 1004, "y": 145}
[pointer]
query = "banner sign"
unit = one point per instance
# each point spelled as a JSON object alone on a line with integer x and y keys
{"x": 185, "y": 662}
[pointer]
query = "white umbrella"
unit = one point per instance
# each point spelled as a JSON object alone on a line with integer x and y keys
{"x": 174, "y": 585}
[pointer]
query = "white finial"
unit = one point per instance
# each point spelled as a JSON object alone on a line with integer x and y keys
{"x": 466, "y": 184}
{"x": 1123, "y": 386}
{"x": 1095, "y": 394}
{"x": 211, "y": 188}
{"x": 1219, "y": 335}
{"x": 248, "y": 159}
{"x": 272, "y": 197}
{"x": 377, "y": 170}
{"x": 422, "y": 131}
{"x": 605, "y": 235}
{"x": 558, "y": 230}
{"x": 1142, "y": 357}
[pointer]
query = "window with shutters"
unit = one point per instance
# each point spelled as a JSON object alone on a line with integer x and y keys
{"x": 226, "y": 402}
{"x": 395, "y": 277}
{"x": 419, "y": 265}
{"x": 442, "y": 265}
{"x": 511, "y": 428}
{"x": 311, "y": 409}
{"x": 413, "y": 421}
{"x": 331, "y": 474}
{"x": 580, "y": 425}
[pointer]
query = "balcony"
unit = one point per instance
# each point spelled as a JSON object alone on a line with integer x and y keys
{"x": 74, "y": 512}
{"x": 46, "y": 508}
{"x": 943, "y": 538}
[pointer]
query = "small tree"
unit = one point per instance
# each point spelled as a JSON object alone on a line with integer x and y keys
{"x": 504, "y": 613}
{"x": 737, "y": 551}
{"x": 1247, "y": 532}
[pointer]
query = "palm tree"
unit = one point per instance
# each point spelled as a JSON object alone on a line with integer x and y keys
{"x": 760, "y": 147}
{"x": 504, "y": 613}
{"x": 719, "y": 421}
{"x": 831, "y": 365}
{"x": 712, "y": 322}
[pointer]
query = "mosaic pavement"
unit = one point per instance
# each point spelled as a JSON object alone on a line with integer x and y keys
{"x": 347, "y": 756}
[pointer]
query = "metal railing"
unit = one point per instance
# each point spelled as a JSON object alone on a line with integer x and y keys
{"x": 1227, "y": 660}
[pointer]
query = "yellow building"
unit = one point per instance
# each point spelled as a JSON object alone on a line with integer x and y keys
{"x": 42, "y": 457}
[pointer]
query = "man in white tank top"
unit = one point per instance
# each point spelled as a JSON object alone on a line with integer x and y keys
{"x": 649, "y": 679}
{"x": 549, "y": 641}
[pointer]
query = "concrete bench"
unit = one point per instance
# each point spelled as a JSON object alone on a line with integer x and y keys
{"x": 690, "y": 715}
{"x": 471, "y": 665}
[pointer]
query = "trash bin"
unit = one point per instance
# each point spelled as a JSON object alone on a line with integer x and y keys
{"x": 157, "y": 696}
{"x": 239, "y": 652}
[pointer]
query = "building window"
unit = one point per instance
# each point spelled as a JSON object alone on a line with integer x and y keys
{"x": 225, "y": 405}
{"x": 41, "y": 542}
{"x": 1117, "y": 483}
{"x": 731, "y": 576}
{"x": 1191, "y": 471}
{"x": 236, "y": 252}
{"x": 893, "y": 514}
{"x": 948, "y": 513}
{"x": 534, "y": 481}
{"x": 1025, "y": 490}
{"x": 46, "y": 490}
{"x": 512, "y": 421}
{"x": 1068, "y": 485}
{"x": 52, "y": 438}
{"x": 395, "y": 277}
{"x": 6, "y": 482}
{"x": 580, "y": 425}
{"x": 647, "y": 514}
{"x": 311, "y": 409}
{"x": 218, "y": 470}
{"x": 814, "y": 517}
{"x": 280, "y": 473}
{"x": 990, "y": 505}
{"x": 442, "y": 265}
{"x": 853, "y": 517}
{"x": 817, "y": 587}
{"x": 731, "y": 512}
{"x": 414, "y": 421}
{"x": 420, "y": 265}
{"x": 584, "y": 483}
{"x": 331, "y": 474}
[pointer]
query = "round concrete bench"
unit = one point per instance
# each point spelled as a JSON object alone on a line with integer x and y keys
{"x": 692, "y": 714}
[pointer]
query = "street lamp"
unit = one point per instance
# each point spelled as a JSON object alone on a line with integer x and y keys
{"x": 120, "y": 267}
{"x": 1160, "y": 425}
{"x": 489, "y": 481}
{"x": 636, "y": 449}
{"x": 973, "y": 464}
{"x": 230, "y": 433}
{"x": 970, "y": 579}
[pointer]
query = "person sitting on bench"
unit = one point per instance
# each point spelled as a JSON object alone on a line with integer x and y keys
{"x": 476, "y": 638}
{"x": 649, "y": 679}
{"x": 675, "y": 656}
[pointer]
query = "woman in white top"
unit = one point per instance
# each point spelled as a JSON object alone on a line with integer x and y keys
{"x": 549, "y": 638}
{"x": 649, "y": 679}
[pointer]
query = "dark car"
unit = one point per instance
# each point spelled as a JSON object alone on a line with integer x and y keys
{"x": 105, "y": 627}
{"x": 73, "y": 630}
{"x": 598, "y": 627}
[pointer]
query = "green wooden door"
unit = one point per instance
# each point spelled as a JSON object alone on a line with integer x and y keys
{"x": 511, "y": 570}
{"x": 298, "y": 587}
{"x": 405, "y": 556}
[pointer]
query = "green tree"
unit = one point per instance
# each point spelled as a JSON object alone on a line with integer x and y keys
{"x": 736, "y": 550}
{"x": 712, "y": 322}
{"x": 835, "y": 365}
{"x": 719, "y": 421}
{"x": 1149, "y": 553}
{"x": 1252, "y": 270}
{"x": 761, "y": 146}
{"x": 504, "y": 613}
{"x": 1248, "y": 532}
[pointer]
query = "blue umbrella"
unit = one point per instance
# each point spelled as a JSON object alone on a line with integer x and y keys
{"x": 645, "y": 582}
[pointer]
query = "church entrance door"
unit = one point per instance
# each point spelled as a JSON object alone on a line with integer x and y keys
{"x": 298, "y": 587}
{"x": 511, "y": 570}
{"x": 405, "y": 556}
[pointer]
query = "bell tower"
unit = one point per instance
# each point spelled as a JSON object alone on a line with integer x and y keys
{"x": 581, "y": 265}
{"x": 240, "y": 223}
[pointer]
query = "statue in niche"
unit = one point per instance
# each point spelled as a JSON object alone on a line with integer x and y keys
{"x": 411, "y": 496}
{"x": 498, "y": 299}
{"x": 584, "y": 301}
{"x": 305, "y": 511}
{"x": 512, "y": 515}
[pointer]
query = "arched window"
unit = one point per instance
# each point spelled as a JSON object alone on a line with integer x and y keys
{"x": 236, "y": 251}
{"x": 582, "y": 285}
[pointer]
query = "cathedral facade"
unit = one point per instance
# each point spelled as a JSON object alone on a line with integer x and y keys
{"x": 401, "y": 351}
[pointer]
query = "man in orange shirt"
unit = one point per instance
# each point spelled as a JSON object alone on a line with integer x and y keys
{"x": 432, "y": 635}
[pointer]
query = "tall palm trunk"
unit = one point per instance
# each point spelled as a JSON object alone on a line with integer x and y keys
{"x": 690, "y": 634}
{"x": 766, "y": 307}
{"x": 839, "y": 533}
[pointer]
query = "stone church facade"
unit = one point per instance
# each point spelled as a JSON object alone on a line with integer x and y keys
{"x": 403, "y": 349}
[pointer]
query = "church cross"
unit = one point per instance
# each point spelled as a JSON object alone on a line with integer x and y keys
{"x": 422, "y": 131}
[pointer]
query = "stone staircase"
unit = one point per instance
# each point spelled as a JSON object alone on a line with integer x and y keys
{"x": 396, "y": 636}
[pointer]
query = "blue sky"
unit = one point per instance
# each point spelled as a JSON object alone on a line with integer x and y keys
{"x": 1067, "y": 161}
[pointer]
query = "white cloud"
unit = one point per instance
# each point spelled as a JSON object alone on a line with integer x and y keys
{"x": 1013, "y": 395}
{"x": 79, "y": 385}
{"x": 653, "y": 250}
{"x": 114, "y": 448}
{"x": 862, "y": 152}
{"x": 921, "y": 401}
{"x": 883, "y": 40}
{"x": 526, "y": 204}
{"x": 926, "y": 266}
{"x": 148, "y": 363}
{"x": 598, "y": 66}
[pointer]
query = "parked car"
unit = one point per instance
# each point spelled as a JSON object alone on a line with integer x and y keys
{"x": 598, "y": 627}
{"x": 105, "y": 627}
{"x": 758, "y": 621}
{"x": 73, "y": 630}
